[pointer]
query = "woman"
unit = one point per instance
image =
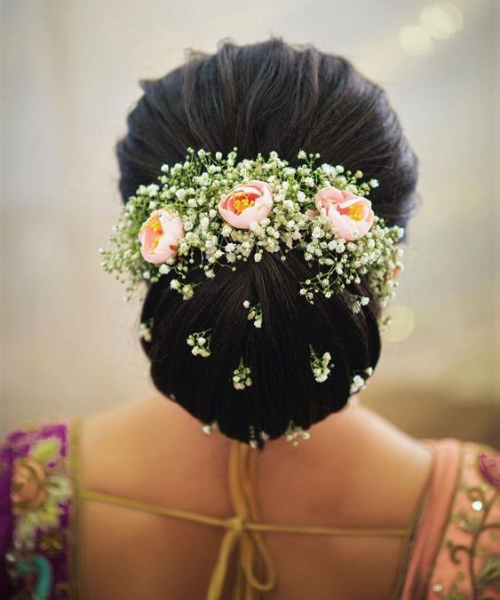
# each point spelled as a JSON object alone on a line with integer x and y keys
{"x": 266, "y": 279}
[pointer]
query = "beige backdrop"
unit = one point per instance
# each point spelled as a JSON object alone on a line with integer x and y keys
{"x": 70, "y": 71}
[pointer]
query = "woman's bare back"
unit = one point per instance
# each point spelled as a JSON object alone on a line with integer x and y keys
{"x": 356, "y": 471}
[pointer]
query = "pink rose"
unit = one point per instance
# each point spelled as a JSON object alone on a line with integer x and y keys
{"x": 351, "y": 216}
{"x": 246, "y": 203}
{"x": 160, "y": 235}
{"x": 27, "y": 488}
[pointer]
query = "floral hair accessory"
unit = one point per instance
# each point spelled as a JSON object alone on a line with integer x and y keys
{"x": 294, "y": 432}
{"x": 232, "y": 211}
{"x": 254, "y": 313}
{"x": 146, "y": 330}
{"x": 320, "y": 365}
{"x": 246, "y": 204}
{"x": 159, "y": 236}
{"x": 241, "y": 376}
{"x": 350, "y": 215}
{"x": 200, "y": 342}
{"x": 213, "y": 212}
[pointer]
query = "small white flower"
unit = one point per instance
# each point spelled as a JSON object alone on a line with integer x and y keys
{"x": 358, "y": 383}
{"x": 241, "y": 376}
{"x": 320, "y": 365}
{"x": 193, "y": 183}
{"x": 145, "y": 332}
{"x": 293, "y": 432}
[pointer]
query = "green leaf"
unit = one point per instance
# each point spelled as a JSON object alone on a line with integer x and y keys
{"x": 489, "y": 575}
{"x": 454, "y": 594}
{"x": 46, "y": 451}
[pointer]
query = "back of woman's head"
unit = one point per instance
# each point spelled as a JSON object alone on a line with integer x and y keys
{"x": 262, "y": 98}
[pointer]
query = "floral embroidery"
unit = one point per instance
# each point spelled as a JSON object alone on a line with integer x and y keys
{"x": 473, "y": 528}
{"x": 52, "y": 542}
{"x": 37, "y": 490}
{"x": 490, "y": 468}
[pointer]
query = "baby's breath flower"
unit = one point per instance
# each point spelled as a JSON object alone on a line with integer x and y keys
{"x": 146, "y": 329}
{"x": 294, "y": 432}
{"x": 200, "y": 342}
{"x": 208, "y": 428}
{"x": 193, "y": 189}
{"x": 241, "y": 376}
{"x": 254, "y": 313}
{"x": 358, "y": 382}
{"x": 320, "y": 365}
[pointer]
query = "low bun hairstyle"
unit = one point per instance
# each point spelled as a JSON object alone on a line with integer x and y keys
{"x": 259, "y": 98}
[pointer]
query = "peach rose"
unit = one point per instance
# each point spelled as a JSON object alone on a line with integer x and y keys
{"x": 351, "y": 215}
{"x": 160, "y": 235}
{"x": 27, "y": 489}
{"x": 246, "y": 203}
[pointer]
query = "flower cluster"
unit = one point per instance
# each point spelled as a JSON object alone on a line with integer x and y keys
{"x": 208, "y": 428}
{"x": 254, "y": 313}
{"x": 146, "y": 330}
{"x": 37, "y": 490}
{"x": 200, "y": 342}
{"x": 359, "y": 382}
{"x": 226, "y": 211}
{"x": 294, "y": 432}
{"x": 241, "y": 377}
{"x": 319, "y": 365}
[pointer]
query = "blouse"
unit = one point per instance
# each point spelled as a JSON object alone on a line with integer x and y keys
{"x": 451, "y": 545}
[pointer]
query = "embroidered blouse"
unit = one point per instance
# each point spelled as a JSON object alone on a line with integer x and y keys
{"x": 452, "y": 543}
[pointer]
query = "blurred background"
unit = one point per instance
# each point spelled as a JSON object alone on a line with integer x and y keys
{"x": 69, "y": 77}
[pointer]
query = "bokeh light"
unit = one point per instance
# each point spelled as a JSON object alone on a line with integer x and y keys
{"x": 402, "y": 323}
{"x": 441, "y": 21}
{"x": 415, "y": 40}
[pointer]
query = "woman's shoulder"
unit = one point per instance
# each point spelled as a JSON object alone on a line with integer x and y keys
{"x": 36, "y": 490}
{"x": 456, "y": 549}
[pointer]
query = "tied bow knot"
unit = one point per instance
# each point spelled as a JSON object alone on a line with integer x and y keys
{"x": 242, "y": 531}
{"x": 236, "y": 523}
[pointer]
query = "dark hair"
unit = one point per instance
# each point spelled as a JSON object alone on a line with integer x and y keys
{"x": 259, "y": 98}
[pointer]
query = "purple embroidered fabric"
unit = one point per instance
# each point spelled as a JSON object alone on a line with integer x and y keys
{"x": 35, "y": 510}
